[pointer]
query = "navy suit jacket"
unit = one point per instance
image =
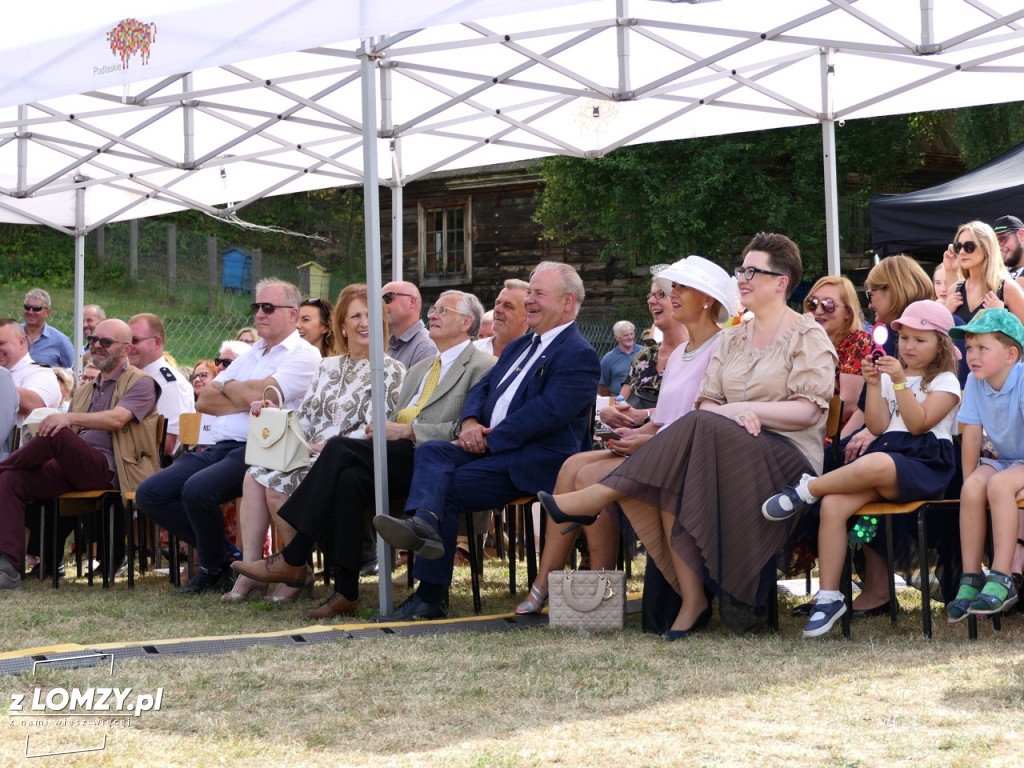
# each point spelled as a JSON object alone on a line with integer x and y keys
{"x": 549, "y": 418}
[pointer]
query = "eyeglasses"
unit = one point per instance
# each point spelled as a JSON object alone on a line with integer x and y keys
{"x": 870, "y": 292}
{"x": 202, "y": 376}
{"x": 747, "y": 273}
{"x": 1002, "y": 237}
{"x": 34, "y": 308}
{"x": 103, "y": 341}
{"x": 656, "y": 295}
{"x": 967, "y": 245}
{"x": 828, "y": 306}
{"x": 86, "y": 379}
{"x": 140, "y": 339}
{"x": 442, "y": 311}
{"x": 221, "y": 362}
{"x": 390, "y": 296}
{"x": 267, "y": 307}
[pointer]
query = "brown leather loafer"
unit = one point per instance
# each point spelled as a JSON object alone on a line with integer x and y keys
{"x": 336, "y": 605}
{"x": 273, "y": 569}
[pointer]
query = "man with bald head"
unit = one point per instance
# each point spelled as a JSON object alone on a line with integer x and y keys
{"x": 36, "y": 385}
{"x": 106, "y": 440}
{"x": 410, "y": 342}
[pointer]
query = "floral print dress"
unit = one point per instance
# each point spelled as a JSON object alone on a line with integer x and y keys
{"x": 336, "y": 403}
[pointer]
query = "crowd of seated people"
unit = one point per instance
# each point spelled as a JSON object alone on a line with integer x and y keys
{"x": 738, "y": 385}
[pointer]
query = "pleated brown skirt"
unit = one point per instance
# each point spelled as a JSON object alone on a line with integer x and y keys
{"x": 712, "y": 476}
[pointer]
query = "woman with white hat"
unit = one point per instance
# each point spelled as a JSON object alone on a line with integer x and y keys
{"x": 694, "y": 492}
{"x": 689, "y": 300}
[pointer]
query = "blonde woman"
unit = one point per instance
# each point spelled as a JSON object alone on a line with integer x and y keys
{"x": 985, "y": 283}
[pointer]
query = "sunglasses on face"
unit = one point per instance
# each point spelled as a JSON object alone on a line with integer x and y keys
{"x": 747, "y": 273}
{"x": 140, "y": 339}
{"x": 967, "y": 245}
{"x": 828, "y": 306}
{"x": 390, "y": 296}
{"x": 86, "y": 379}
{"x": 267, "y": 307}
{"x": 221, "y": 362}
{"x": 103, "y": 341}
{"x": 33, "y": 308}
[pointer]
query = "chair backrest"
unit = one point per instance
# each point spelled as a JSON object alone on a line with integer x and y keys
{"x": 835, "y": 417}
{"x": 188, "y": 428}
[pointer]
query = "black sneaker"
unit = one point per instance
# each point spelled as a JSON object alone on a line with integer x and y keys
{"x": 204, "y": 582}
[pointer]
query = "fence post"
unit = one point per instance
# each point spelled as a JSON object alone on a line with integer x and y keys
{"x": 133, "y": 250}
{"x": 172, "y": 257}
{"x": 257, "y": 268}
{"x": 101, "y": 244}
{"x": 211, "y": 271}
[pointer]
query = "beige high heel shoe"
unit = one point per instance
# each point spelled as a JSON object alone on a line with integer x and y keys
{"x": 237, "y": 595}
{"x": 286, "y": 594}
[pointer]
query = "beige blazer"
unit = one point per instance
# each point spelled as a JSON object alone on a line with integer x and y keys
{"x": 439, "y": 417}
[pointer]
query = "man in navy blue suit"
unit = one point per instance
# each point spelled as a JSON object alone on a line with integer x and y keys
{"x": 519, "y": 423}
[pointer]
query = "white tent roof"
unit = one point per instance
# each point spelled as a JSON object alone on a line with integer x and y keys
{"x": 156, "y": 106}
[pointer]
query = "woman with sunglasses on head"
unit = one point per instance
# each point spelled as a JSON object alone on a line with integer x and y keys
{"x": 692, "y": 491}
{"x": 337, "y": 403}
{"x": 985, "y": 282}
{"x": 315, "y": 325}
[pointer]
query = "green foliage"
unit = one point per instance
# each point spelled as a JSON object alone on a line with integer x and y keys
{"x": 658, "y": 202}
{"x": 36, "y": 255}
{"x": 982, "y": 133}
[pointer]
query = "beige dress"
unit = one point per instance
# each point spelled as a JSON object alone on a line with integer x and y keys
{"x": 712, "y": 475}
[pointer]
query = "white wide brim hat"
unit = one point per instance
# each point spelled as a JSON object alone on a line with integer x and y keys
{"x": 707, "y": 277}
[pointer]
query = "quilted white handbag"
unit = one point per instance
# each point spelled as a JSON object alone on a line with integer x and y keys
{"x": 275, "y": 439}
{"x": 594, "y": 601}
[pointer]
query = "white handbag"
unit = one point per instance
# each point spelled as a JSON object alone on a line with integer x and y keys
{"x": 275, "y": 439}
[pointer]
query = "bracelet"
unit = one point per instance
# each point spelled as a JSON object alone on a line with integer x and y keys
{"x": 899, "y": 387}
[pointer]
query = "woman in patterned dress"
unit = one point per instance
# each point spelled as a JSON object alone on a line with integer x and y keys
{"x": 337, "y": 402}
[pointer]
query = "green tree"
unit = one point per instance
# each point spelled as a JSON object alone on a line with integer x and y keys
{"x": 657, "y": 202}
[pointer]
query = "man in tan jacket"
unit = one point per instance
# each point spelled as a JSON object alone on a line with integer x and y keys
{"x": 107, "y": 440}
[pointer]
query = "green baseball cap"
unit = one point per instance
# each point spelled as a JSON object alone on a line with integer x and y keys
{"x": 992, "y": 321}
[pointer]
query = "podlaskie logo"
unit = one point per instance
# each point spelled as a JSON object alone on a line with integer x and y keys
{"x": 127, "y": 38}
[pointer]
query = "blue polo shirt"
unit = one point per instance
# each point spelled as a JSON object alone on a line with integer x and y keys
{"x": 615, "y": 367}
{"x": 52, "y": 348}
{"x": 999, "y": 412}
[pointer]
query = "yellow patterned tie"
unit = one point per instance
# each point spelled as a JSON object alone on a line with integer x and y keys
{"x": 408, "y": 414}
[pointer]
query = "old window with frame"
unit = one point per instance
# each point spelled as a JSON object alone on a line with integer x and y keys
{"x": 445, "y": 244}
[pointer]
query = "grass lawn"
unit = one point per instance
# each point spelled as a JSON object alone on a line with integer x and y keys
{"x": 525, "y": 698}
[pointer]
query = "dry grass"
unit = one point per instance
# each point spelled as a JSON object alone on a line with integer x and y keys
{"x": 536, "y": 697}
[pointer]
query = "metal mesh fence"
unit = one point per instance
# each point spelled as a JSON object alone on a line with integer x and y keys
{"x": 201, "y": 288}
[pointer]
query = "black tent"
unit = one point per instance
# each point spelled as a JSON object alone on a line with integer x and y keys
{"x": 927, "y": 219}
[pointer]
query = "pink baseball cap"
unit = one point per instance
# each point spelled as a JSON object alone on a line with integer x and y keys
{"x": 926, "y": 315}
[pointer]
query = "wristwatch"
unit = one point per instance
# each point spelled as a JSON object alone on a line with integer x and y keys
{"x": 222, "y": 385}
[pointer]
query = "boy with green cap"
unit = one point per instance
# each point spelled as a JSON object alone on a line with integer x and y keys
{"x": 994, "y": 403}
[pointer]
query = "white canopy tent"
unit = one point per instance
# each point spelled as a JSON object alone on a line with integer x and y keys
{"x": 141, "y": 107}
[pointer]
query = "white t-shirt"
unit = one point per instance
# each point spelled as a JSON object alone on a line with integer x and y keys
{"x": 176, "y": 394}
{"x": 38, "y": 378}
{"x": 944, "y": 382}
{"x": 291, "y": 363}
